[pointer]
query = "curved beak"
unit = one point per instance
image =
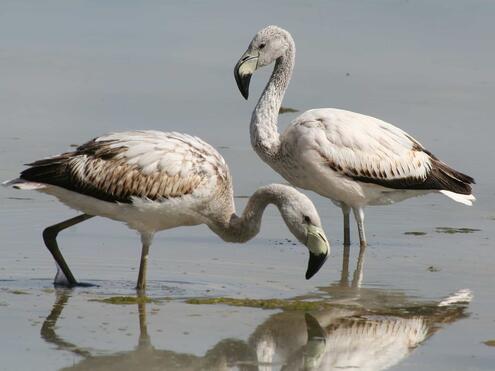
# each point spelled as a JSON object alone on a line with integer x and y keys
{"x": 316, "y": 345}
{"x": 243, "y": 70}
{"x": 319, "y": 249}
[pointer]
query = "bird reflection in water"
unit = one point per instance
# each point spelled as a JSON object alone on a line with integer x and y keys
{"x": 350, "y": 334}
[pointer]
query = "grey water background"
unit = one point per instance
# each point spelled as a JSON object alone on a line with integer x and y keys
{"x": 73, "y": 70}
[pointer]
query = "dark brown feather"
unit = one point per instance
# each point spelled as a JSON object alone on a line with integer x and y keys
{"x": 105, "y": 177}
{"x": 440, "y": 177}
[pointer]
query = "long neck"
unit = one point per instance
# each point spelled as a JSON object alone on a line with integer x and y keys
{"x": 245, "y": 227}
{"x": 265, "y": 138}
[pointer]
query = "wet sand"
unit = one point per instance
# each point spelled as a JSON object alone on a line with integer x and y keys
{"x": 68, "y": 79}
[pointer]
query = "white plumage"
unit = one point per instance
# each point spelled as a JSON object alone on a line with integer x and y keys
{"x": 352, "y": 337}
{"x": 338, "y": 145}
{"x": 353, "y": 159}
{"x": 332, "y": 339}
{"x": 153, "y": 181}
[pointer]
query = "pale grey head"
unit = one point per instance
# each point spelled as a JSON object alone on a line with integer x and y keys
{"x": 302, "y": 219}
{"x": 268, "y": 45}
{"x": 300, "y": 216}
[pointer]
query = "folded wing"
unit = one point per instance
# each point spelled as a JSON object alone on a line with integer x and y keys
{"x": 145, "y": 164}
{"x": 369, "y": 150}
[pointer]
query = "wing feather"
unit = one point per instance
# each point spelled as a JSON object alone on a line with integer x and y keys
{"x": 369, "y": 150}
{"x": 146, "y": 164}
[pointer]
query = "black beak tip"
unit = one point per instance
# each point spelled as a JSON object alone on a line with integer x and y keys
{"x": 314, "y": 264}
{"x": 314, "y": 329}
{"x": 310, "y": 320}
{"x": 242, "y": 83}
{"x": 244, "y": 91}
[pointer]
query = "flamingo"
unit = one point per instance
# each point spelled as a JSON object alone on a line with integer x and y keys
{"x": 154, "y": 181}
{"x": 353, "y": 159}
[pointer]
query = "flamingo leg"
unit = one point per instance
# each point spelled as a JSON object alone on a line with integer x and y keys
{"x": 64, "y": 275}
{"x": 357, "y": 277}
{"x": 146, "y": 239}
{"x": 359, "y": 215}
{"x": 144, "y": 337}
{"x": 346, "y": 210}
{"x": 344, "y": 274}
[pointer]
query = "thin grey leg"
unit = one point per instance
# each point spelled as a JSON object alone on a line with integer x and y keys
{"x": 346, "y": 210}
{"x": 344, "y": 274}
{"x": 146, "y": 239}
{"x": 144, "y": 338}
{"x": 359, "y": 215}
{"x": 49, "y": 327}
{"x": 64, "y": 275}
{"x": 357, "y": 277}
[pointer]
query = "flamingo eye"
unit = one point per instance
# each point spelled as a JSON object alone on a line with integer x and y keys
{"x": 262, "y": 45}
{"x": 307, "y": 219}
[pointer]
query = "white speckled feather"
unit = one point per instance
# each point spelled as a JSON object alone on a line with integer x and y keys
{"x": 353, "y": 159}
{"x": 149, "y": 164}
{"x": 361, "y": 145}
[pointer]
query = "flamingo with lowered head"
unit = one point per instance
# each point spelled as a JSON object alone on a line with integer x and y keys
{"x": 153, "y": 181}
{"x": 353, "y": 159}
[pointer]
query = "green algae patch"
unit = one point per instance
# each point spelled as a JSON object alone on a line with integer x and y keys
{"x": 124, "y": 300}
{"x": 289, "y": 305}
{"x": 415, "y": 233}
{"x": 287, "y": 110}
{"x": 18, "y": 292}
{"x": 490, "y": 343}
{"x": 450, "y": 230}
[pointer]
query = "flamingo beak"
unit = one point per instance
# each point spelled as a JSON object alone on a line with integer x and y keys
{"x": 319, "y": 249}
{"x": 243, "y": 71}
{"x": 316, "y": 345}
{"x": 315, "y": 263}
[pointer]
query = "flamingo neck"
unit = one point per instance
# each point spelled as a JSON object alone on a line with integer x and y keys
{"x": 265, "y": 138}
{"x": 245, "y": 227}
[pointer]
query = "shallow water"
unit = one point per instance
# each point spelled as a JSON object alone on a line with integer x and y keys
{"x": 73, "y": 72}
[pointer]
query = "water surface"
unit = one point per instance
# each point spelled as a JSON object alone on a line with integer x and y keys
{"x": 75, "y": 71}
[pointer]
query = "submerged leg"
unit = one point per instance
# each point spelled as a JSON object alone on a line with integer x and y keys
{"x": 64, "y": 275}
{"x": 146, "y": 239}
{"x": 357, "y": 277}
{"x": 344, "y": 274}
{"x": 144, "y": 338}
{"x": 346, "y": 210}
{"x": 359, "y": 215}
{"x": 49, "y": 327}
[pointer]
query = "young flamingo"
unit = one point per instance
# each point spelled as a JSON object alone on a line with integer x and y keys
{"x": 353, "y": 159}
{"x": 153, "y": 181}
